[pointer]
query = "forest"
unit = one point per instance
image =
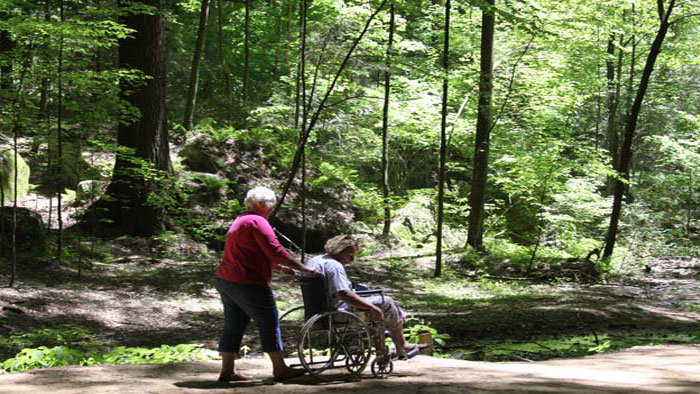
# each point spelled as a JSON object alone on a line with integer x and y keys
{"x": 491, "y": 146}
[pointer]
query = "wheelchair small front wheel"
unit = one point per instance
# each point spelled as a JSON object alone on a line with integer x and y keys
{"x": 382, "y": 366}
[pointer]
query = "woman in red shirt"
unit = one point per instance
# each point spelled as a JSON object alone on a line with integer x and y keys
{"x": 251, "y": 252}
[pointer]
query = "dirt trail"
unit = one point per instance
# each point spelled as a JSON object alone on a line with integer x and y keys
{"x": 659, "y": 369}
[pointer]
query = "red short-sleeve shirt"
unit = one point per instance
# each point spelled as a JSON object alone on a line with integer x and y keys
{"x": 251, "y": 251}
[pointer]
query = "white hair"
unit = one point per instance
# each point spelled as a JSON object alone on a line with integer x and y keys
{"x": 259, "y": 195}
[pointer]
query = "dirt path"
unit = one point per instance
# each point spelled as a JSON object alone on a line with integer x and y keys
{"x": 659, "y": 369}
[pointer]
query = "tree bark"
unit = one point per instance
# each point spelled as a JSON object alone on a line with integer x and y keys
{"x": 613, "y": 99}
{"x": 626, "y": 153}
{"x": 7, "y": 45}
{"x": 483, "y": 131}
{"x": 147, "y": 137}
{"x": 59, "y": 142}
{"x": 385, "y": 127}
{"x": 45, "y": 83}
{"x": 246, "y": 55}
{"x": 443, "y": 142}
{"x": 222, "y": 58}
{"x": 196, "y": 58}
{"x": 304, "y": 119}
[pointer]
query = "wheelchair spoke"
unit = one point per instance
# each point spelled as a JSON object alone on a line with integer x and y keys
{"x": 334, "y": 340}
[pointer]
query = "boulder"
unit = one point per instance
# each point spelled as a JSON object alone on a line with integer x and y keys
{"x": 414, "y": 223}
{"x": 7, "y": 175}
{"x": 90, "y": 190}
{"x": 201, "y": 153}
{"x": 30, "y": 234}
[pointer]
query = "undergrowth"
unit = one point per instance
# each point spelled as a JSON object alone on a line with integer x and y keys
{"x": 70, "y": 345}
{"x": 567, "y": 346}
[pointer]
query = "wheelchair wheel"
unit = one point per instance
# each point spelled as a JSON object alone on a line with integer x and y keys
{"x": 335, "y": 339}
{"x": 291, "y": 322}
{"x": 382, "y": 366}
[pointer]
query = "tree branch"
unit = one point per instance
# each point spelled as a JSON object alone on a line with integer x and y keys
{"x": 321, "y": 106}
{"x": 683, "y": 17}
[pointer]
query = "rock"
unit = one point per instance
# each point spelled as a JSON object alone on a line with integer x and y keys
{"x": 7, "y": 175}
{"x": 327, "y": 216}
{"x": 30, "y": 235}
{"x": 415, "y": 221}
{"x": 90, "y": 190}
{"x": 201, "y": 154}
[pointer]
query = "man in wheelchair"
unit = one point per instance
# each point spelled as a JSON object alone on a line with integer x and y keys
{"x": 341, "y": 251}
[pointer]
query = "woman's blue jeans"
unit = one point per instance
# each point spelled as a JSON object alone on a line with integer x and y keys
{"x": 241, "y": 303}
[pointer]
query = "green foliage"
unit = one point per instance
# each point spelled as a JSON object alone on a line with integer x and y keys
{"x": 549, "y": 158}
{"x": 71, "y": 345}
{"x": 161, "y": 355}
{"x": 44, "y": 357}
{"x": 414, "y": 327}
{"x": 570, "y": 346}
{"x": 54, "y": 336}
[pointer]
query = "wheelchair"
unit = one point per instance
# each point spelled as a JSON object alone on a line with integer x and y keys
{"x": 331, "y": 339}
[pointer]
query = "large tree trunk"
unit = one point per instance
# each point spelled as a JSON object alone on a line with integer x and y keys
{"x": 483, "y": 131}
{"x": 147, "y": 136}
{"x": 385, "y": 127}
{"x": 626, "y": 153}
{"x": 443, "y": 142}
{"x": 196, "y": 58}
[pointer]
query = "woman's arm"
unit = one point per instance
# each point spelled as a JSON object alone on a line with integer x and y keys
{"x": 354, "y": 300}
{"x": 294, "y": 264}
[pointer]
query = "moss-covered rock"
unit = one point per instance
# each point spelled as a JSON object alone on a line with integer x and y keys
{"x": 7, "y": 175}
{"x": 202, "y": 153}
{"x": 30, "y": 236}
{"x": 414, "y": 223}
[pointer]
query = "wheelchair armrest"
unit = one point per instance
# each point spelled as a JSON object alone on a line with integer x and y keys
{"x": 364, "y": 293}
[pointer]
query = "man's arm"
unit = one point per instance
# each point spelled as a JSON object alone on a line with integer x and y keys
{"x": 354, "y": 300}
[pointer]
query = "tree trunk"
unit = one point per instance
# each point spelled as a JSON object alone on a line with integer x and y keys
{"x": 443, "y": 142}
{"x": 630, "y": 80}
{"x": 45, "y": 83}
{"x": 59, "y": 142}
{"x": 301, "y": 72}
{"x": 246, "y": 55}
{"x": 194, "y": 72}
{"x": 613, "y": 99}
{"x": 612, "y": 128}
{"x": 626, "y": 153}
{"x": 6, "y": 48}
{"x": 385, "y": 127}
{"x": 483, "y": 131}
{"x": 222, "y": 59}
{"x": 304, "y": 119}
{"x": 147, "y": 137}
